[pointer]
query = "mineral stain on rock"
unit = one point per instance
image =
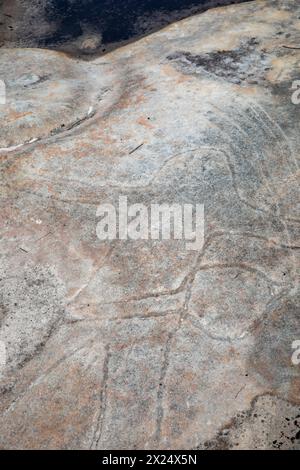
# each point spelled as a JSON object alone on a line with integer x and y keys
{"x": 244, "y": 64}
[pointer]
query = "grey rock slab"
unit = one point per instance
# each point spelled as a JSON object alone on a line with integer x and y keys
{"x": 144, "y": 344}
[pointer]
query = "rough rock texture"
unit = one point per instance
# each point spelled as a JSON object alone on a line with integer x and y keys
{"x": 144, "y": 344}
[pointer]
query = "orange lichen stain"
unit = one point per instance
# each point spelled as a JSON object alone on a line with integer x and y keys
{"x": 249, "y": 90}
{"x": 190, "y": 378}
{"x": 102, "y": 136}
{"x": 278, "y": 70}
{"x": 134, "y": 94}
{"x": 272, "y": 15}
{"x": 229, "y": 356}
{"x": 84, "y": 151}
{"x": 51, "y": 153}
{"x": 170, "y": 71}
{"x": 144, "y": 121}
{"x": 15, "y": 116}
{"x": 99, "y": 173}
{"x": 183, "y": 79}
{"x": 124, "y": 101}
{"x": 17, "y": 165}
{"x": 139, "y": 98}
{"x": 178, "y": 77}
{"x": 54, "y": 85}
{"x": 232, "y": 351}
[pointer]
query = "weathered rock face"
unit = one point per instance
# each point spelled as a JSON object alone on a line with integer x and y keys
{"x": 145, "y": 344}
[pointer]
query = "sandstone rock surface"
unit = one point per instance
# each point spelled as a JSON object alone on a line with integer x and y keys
{"x": 143, "y": 344}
